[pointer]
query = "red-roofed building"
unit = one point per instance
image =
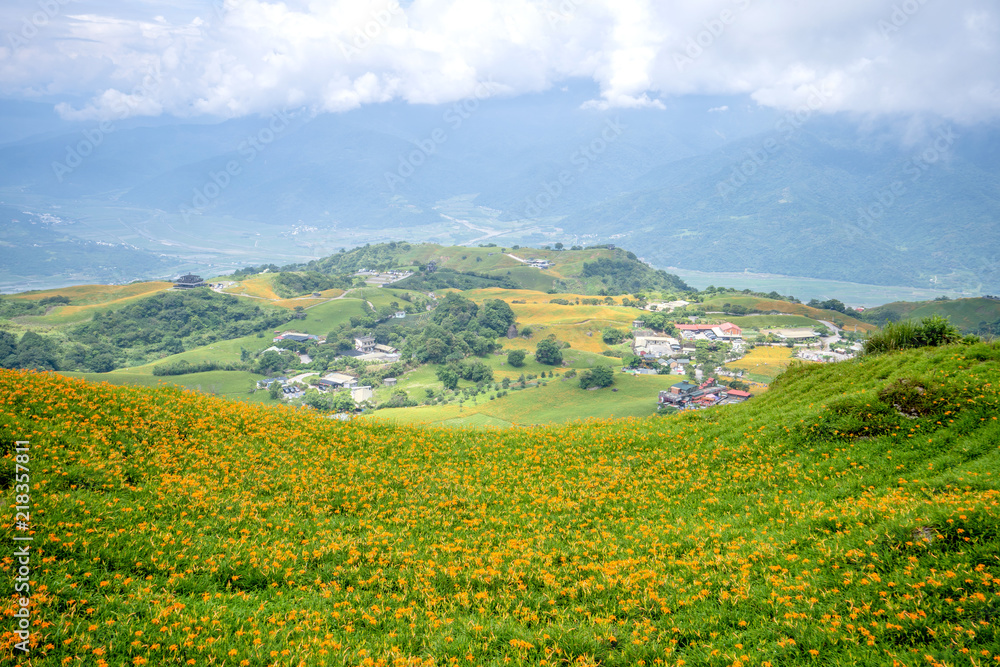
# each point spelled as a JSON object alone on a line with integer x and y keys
{"x": 731, "y": 329}
{"x": 738, "y": 393}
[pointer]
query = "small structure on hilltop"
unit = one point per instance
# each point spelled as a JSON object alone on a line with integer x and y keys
{"x": 189, "y": 281}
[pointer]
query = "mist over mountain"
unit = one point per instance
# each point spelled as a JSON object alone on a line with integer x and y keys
{"x": 706, "y": 183}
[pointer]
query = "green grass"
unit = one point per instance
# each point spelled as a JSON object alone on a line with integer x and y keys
{"x": 847, "y": 517}
{"x": 226, "y": 384}
{"x": 774, "y": 322}
{"x": 325, "y": 317}
{"x": 558, "y": 401}
{"x": 222, "y": 351}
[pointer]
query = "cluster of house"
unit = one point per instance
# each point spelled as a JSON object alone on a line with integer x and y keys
{"x": 330, "y": 382}
{"x": 676, "y": 353}
{"x": 687, "y": 396}
{"x": 539, "y": 263}
{"x": 726, "y": 331}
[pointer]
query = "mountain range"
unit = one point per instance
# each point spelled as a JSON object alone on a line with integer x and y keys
{"x": 709, "y": 183}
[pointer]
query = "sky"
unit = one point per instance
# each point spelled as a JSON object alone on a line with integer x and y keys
{"x": 102, "y": 59}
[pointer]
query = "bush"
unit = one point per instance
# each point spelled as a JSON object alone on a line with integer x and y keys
{"x": 929, "y": 332}
{"x": 602, "y": 376}
{"x": 516, "y": 358}
{"x": 548, "y": 352}
{"x": 614, "y": 336}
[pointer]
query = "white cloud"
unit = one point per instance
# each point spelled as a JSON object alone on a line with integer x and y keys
{"x": 236, "y": 57}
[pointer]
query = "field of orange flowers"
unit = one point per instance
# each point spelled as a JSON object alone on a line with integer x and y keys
{"x": 851, "y": 515}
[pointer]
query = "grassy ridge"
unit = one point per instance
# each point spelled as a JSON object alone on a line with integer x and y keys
{"x": 768, "y": 305}
{"x": 966, "y": 314}
{"x": 842, "y": 518}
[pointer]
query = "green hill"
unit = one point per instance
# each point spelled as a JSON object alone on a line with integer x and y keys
{"x": 848, "y": 516}
{"x": 980, "y": 316}
{"x": 586, "y": 271}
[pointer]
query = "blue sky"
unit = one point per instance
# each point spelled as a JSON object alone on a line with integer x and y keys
{"x": 229, "y": 58}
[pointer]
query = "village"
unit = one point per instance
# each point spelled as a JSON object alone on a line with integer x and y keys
{"x": 698, "y": 351}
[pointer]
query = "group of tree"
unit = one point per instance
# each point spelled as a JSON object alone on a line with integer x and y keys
{"x": 31, "y": 351}
{"x": 460, "y": 328}
{"x": 339, "y": 401}
{"x": 659, "y": 321}
{"x": 288, "y": 284}
{"x": 165, "y": 324}
{"x": 11, "y": 308}
{"x": 476, "y": 372}
{"x": 185, "y": 367}
{"x": 626, "y": 274}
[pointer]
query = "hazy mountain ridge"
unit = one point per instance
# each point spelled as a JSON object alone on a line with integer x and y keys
{"x": 727, "y": 190}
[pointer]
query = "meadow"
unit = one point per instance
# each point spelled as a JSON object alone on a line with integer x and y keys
{"x": 842, "y": 518}
{"x": 557, "y": 401}
{"x": 789, "y": 308}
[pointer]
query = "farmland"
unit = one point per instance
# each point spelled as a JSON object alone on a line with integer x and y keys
{"x": 839, "y": 518}
{"x": 764, "y": 363}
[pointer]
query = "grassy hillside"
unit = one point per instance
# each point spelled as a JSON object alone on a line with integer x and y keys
{"x": 764, "y": 305}
{"x": 980, "y": 315}
{"x": 848, "y": 516}
{"x": 610, "y": 269}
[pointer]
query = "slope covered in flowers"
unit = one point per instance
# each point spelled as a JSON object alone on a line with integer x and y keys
{"x": 849, "y": 516}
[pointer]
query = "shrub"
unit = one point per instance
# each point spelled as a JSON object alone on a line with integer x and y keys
{"x": 548, "y": 352}
{"x": 929, "y": 332}
{"x": 516, "y": 358}
{"x": 602, "y": 376}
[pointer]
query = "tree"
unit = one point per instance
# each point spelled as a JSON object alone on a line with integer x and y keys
{"x": 497, "y": 316}
{"x": 342, "y": 402}
{"x": 548, "y": 352}
{"x": 270, "y": 362}
{"x": 448, "y": 377}
{"x": 33, "y": 351}
{"x": 602, "y": 376}
{"x": 516, "y": 358}
{"x": 613, "y": 336}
